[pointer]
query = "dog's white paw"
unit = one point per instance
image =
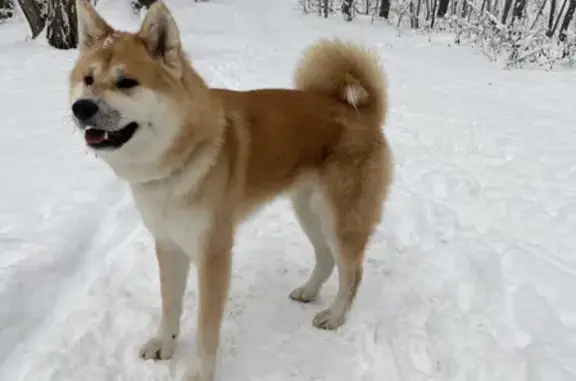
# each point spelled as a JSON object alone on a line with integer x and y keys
{"x": 303, "y": 294}
{"x": 327, "y": 319}
{"x": 202, "y": 370}
{"x": 197, "y": 376}
{"x": 158, "y": 348}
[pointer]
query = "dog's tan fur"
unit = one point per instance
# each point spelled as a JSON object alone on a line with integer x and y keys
{"x": 204, "y": 159}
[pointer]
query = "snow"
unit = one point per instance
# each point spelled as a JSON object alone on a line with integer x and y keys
{"x": 470, "y": 276}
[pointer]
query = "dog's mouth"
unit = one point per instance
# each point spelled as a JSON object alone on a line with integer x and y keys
{"x": 97, "y": 138}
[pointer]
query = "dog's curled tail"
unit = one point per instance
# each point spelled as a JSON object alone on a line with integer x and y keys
{"x": 346, "y": 72}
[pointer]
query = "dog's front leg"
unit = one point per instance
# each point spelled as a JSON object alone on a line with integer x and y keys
{"x": 213, "y": 282}
{"x": 173, "y": 265}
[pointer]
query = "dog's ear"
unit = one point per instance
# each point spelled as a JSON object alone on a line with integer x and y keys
{"x": 160, "y": 32}
{"x": 91, "y": 27}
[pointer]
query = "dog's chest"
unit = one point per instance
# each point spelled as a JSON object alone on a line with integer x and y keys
{"x": 172, "y": 218}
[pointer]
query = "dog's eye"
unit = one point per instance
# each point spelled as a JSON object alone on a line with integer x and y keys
{"x": 126, "y": 83}
{"x": 88, "y": 80}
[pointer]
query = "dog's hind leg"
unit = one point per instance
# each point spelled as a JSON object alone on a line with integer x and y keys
{"x": 350, "y": 203}
{"x": 173, "y": 265}
{"x": 312, "y": 227}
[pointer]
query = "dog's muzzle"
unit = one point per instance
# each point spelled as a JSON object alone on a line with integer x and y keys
{"x": 101, "y": 124}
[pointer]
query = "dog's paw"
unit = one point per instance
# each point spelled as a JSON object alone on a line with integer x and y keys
{"x": 327, "y": 319}
{"x": 197, "y": 376}
{"x": 158, "y": 348}
{"x": 303, "y": 294}
{"x": 202, "y": 370}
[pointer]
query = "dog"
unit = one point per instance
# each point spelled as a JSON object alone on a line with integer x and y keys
{"x": 200, "y": 160}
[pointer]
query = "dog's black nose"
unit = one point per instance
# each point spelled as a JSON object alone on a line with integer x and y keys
{"x": 84, "y": 109}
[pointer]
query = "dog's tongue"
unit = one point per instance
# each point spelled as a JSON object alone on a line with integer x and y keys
{"x": 94, "y": 135}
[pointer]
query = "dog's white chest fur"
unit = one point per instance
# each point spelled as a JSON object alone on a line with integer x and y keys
{"x": 169, "y": 217}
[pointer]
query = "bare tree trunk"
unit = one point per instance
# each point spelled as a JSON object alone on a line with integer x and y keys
{"x": 434, "y": 11}
{"x": 61, "y": 31}
{"x": 139, "y": 4}
{"x": 443, "y": 7}
{"x": 552, "y": 32}
{"x": 326, "y": 8}
{"x": 506, "y": 11}
{"x": 347, "y": 9}
{"x": 416, "y": 19}
{"x": 33, "y": 14}
{"x": 6, "y": 9}
{"x": 551, "y": 17}
{"x": 567, "y": 20}
{"x": 518, "y": 11}
{"x": 454, "y": 7}
{"x": 384, "y": 9}
{"x": 414, "y": 14}
{"x": 464, "y": 13}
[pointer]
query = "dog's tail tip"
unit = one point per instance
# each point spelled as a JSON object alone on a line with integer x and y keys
{"x": 346, "y": 72}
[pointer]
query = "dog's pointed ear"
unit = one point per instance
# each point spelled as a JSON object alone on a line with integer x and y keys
{"x": 91, "y": 27}
{"x": 160, "y": 32}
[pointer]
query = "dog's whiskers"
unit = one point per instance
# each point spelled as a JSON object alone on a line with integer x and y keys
{"x": 69, "y": 120}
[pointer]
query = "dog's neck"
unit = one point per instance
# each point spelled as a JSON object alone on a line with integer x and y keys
{"x": 186, "y": 177}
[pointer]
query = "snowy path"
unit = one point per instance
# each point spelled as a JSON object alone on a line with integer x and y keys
{"x": 470, "y": 277}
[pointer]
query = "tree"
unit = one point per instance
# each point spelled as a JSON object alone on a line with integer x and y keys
{"x": 34, "y": 15}
{"x": 384, "y": 9}
{"x": 551, "y": 32}
{"x": 551, "y": 18}
{"x": 57, "y": 16}
{"x": 6, "y": 9}
{"x": 61, "y": 29}
{"x": 568, "y": 17}
{"x": 518, "y": 11}
{"x": 347, "y": 9}
{"x": 506, "y": 11}
{"x": 443, "y": 7}
{"x": 139, "y": 4}
{"x": 326, "y": 8}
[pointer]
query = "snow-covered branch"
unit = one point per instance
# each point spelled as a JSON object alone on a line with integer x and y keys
{"x": 519, "y": 32}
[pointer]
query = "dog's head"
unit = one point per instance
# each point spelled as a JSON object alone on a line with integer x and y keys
{"x": 130, "y": 93}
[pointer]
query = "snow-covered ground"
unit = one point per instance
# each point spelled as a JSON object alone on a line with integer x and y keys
{"x": 471, "y": 276}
